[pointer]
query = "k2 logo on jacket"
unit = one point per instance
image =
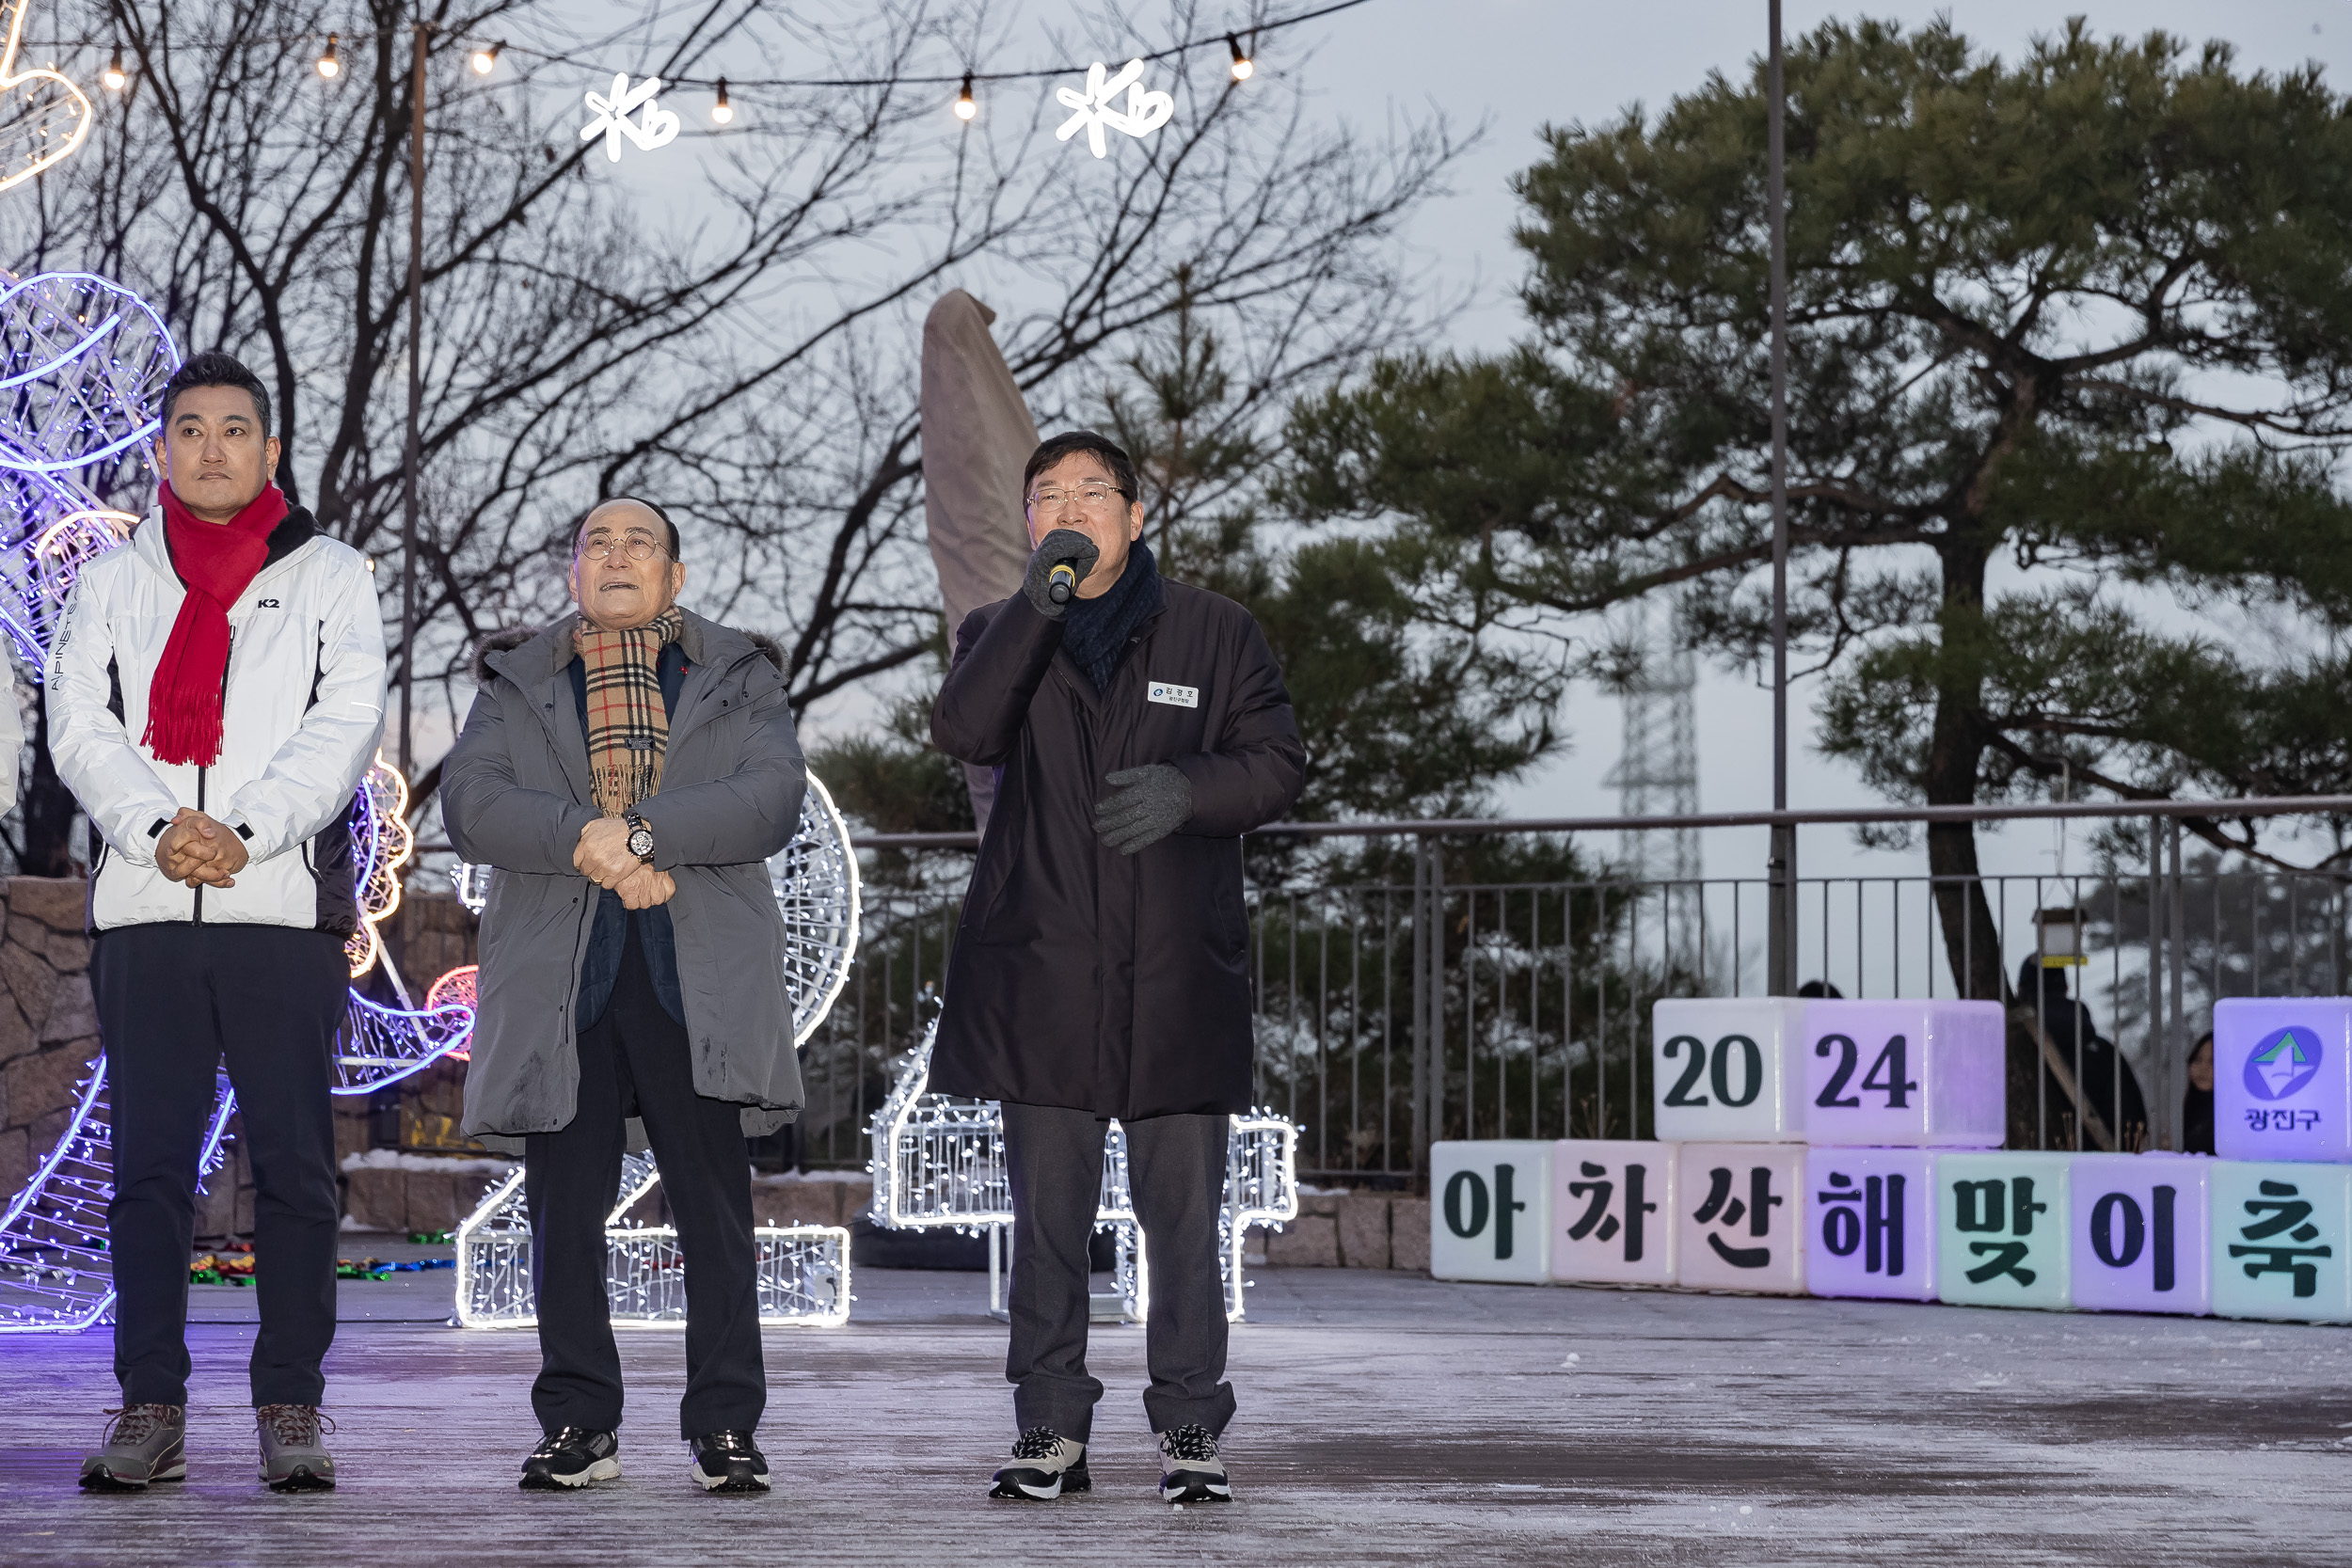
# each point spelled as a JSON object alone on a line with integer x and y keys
{"x": 1174, "y": 696}
{"x": 268, "y": 604}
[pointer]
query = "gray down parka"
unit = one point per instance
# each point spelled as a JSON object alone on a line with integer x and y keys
{"x": 515, "y": 795}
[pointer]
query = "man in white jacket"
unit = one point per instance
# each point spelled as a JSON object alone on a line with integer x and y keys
{"x": 215, "y": 693}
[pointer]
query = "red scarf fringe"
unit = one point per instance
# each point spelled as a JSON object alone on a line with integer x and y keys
{"x": 218, "y": 562}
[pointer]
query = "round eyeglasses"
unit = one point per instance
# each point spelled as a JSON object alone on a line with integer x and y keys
{"x": 638, "y": 549}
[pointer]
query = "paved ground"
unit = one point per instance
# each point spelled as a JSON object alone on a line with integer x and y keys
{"x": 1385, "y": 1419}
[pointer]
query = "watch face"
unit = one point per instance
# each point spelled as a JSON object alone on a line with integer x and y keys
{"x": 641, "y": 842}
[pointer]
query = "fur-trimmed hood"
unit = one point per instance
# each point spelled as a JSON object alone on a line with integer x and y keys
{"x": 508, "y": 638}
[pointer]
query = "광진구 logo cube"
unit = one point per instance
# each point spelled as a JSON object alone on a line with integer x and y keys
{"x": 2282, "y": 1078}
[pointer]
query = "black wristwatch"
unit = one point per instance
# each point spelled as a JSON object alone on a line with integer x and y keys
{"x": 641, "y": 838}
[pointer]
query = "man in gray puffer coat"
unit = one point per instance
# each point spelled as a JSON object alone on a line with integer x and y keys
{"x": 627, "y": 772}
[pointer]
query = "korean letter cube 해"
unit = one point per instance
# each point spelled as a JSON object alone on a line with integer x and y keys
{"x": 2001, "y": 1229}
{"x": 1873, "y": 1225}
{"x": 1493, "y": 1203}
{"x": 2282, "y": 1078}
{"x": 2141, "y": 1226}
{"x": 1728, "y": 1071}
{"x": 2280, "y": 1240}
{"x": 1613, "y": 1212}
{"x": 1740, "y": 1209}
{"x": 1906, "y": 1075}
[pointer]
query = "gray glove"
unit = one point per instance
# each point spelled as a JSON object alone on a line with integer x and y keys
{"x": 1151, "y": 804}
{"x": 1063, "y": 546}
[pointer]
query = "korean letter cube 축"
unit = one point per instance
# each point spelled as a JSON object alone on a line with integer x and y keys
{"x": 2282, "y": 1078}
{"x": 1492, "y": 1206}
{"x": 1906, "y": 1075}
{"x": 2280, "y": 1234}
{"x": 1870, "y": 1226}
{"x": 1740, "y": 1217}
{"x": 1729, "y": 1069}
{"x": 1613, "y": 1212}
{"x": 2001, "y": 1229}
{"x": 2140, "y": 1233}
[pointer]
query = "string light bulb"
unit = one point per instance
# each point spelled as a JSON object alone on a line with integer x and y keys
{"x": 116, "y": 77}
{"x": 721, "y": 110}
{"x": 331, "y": 66}
{"x": 965, "y": 108}
{"x": 1244, "y": 67}
{"x": 485, "y": 60}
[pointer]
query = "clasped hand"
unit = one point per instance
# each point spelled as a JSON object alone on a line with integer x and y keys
{"x": 199, "y": 849}
{"x": 602, "y": 856}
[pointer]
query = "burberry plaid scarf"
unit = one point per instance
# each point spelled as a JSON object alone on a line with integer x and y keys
{"x": 628, "y": 729}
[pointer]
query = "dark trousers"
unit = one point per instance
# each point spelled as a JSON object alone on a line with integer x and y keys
{"x": 634, "y": 1060}
{"x": 173, "y": 1001}
{"x": 1176, "y": 1173}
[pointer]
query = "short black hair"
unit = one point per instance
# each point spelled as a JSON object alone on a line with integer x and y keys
{"x": 1053, "y": 449}
{"x": 581, "y": 521}
{"x": 213, "y": 367}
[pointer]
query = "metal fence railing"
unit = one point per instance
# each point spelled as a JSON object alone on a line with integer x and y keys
{"x": 1390, "y": 1013}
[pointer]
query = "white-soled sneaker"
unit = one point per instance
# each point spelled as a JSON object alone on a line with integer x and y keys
{"x": 1190, "y": 1470}
{"x": 1045, "y": 1466}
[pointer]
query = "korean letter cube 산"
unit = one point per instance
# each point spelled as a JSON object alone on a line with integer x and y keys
{"x": 1905, "y": 1074}
{"x": 2001, "y": 1229}
{"x": 2279, "y": 1239}
{"x": 2282, "y": 1078}
{"x": 1613, "y": 1212}
{"x": 1740, "y": 1209}
{"x": 2141, "y": 1232}
{"x": 1729, "y": 1071}
{"x": 1872, "y": 1225}
{"x": 1491, "y": 1203}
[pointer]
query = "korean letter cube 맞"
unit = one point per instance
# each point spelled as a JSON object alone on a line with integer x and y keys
{"x": 1872, "y": 1225}
{"x": 1907, "y": 1074}
{"x": 1729, "y": 1071}
{"x": 2140, "y": 1233}
{"x": 2282, "y": 1078}
{"x": 2280, "y": 1237}
{"x": 1493, "y": 1210}
{"x": 1740, "y": 1217}
{"x": 2001, "y": 1229}
{"x": 1613, "y": 1212}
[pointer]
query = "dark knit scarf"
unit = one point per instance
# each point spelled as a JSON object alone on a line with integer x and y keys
{"x": 628, "y": 726}
{"x": 1095, "y": 631}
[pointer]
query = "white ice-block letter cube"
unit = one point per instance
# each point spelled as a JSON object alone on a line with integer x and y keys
{"x": 2141, "y": 1232}
{"x": 1613, "y": 1212}
{"x": 1493, "y": 1203}
{"x": 1729, "y": 1071}
{"x": 2002, "y": 1229}
{"x": 1905, "y": 1074}
{"x": 1739, "y": 1214}
{"x": 2282, "y": 1241}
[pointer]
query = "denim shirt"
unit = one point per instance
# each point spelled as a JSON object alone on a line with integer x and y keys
{"x": 601, "y": 968}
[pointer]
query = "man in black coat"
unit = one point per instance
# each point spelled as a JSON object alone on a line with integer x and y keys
{"x": 1138, "y": 728}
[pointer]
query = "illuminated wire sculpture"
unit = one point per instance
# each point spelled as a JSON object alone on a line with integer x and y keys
{"x": 43, "y": 117}
{"x": 939, "y": 1163}
{"x": 381, "y": 846}
{"x": 82, "y": 364}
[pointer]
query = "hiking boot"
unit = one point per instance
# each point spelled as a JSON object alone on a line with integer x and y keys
{"x": 143, "y": 1443}
{"x": 728, "y": 1461}
{"x": 1045, "y": 1465}
{"x": 1190, "y": 1470}
{"x": 294, "y": 1452}
{"x": 572, "y": 1456}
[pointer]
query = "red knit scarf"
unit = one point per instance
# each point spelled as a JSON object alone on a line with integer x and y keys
{"x": 217, "y": 560}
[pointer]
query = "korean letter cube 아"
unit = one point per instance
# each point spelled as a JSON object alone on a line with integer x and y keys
{"x": 1492, "y": 1209}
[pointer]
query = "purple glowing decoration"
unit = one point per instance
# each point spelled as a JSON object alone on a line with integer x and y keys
{"x": 1871, "y": 1214}
{"x": 2282, "y": 1078}
{"x": 2142, "y": 1231}
{"x": 1907, "y": 1074}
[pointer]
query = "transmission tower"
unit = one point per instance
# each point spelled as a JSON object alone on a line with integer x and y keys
{"x": 1658, "y": 772}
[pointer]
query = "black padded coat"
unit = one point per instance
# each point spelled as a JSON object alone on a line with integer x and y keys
{"x": 1082, "y": 977}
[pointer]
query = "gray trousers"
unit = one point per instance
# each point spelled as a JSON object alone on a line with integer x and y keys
{"x": 1176, "y": 1171}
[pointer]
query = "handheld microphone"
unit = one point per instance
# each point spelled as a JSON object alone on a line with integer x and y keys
{"x": 1061, "y": 583}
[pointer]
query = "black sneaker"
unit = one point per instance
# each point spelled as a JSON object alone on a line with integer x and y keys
{"x": 143, "y": 1443}
{"x": 571, "y": 1457}
{"x": 1190, "y": 1470}
{"x": 729, "y": 1461}
{"x": 1045, "y": 1466}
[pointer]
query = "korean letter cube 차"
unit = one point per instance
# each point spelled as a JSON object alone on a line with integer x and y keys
{"x": 1613, "y": 1212}
{"x": 1872, "y": 1230}
{"x": 1492, "y": 1203}
{"x": 2280, "y": 1240}
{"x": 2001, "y": 1229}
{"x": 1739, "y": 1210}
{"x": 2141, "y": 1232}
{"x": 2282, "y": 1078}
{"x": 1729, "y": 1071}
{"x": 1905, "y": 1074}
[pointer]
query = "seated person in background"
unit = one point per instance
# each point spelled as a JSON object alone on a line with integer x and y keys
{"x": 2197, "y": 1102}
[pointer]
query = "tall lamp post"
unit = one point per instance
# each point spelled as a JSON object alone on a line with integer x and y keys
{"x": 1781, "y": 953}
{"x": 413, "y": 455}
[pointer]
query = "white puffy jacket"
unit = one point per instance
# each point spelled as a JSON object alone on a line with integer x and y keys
{"x": 302, "y": 712}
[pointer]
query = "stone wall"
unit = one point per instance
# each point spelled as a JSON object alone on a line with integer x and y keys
{"x": 1353, "y": 1231}
{"x": 48, "y": 1027}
